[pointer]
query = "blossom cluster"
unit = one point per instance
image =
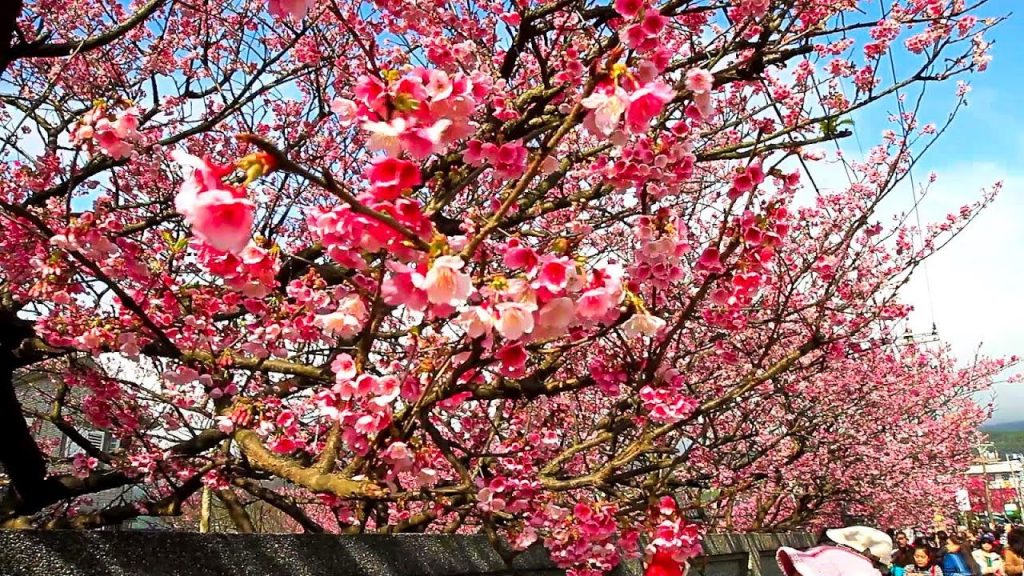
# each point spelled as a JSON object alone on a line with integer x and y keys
{"x": 111, "y": 131}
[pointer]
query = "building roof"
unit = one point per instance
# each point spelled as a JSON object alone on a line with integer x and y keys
{"x": 1003, "y": 467}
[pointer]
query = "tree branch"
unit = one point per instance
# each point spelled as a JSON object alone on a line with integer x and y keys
{"x": 283, "y": 503}
{"x": 43, "y": 50}
{"x": 336, "y": 484}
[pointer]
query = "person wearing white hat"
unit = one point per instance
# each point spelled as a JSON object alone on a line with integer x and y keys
{"x": 865, "y": 540}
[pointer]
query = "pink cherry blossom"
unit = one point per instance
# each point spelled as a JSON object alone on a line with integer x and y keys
{"x": 219, "y": 214}
{"x": 283, "y": 445}
{"x": 556, "y": 315}
{"x": 345, "y": 109}
{"x": 607, "y": 109}
{"x": 748, "y": 178}
{"x": 403, "y": 287}
{"x": 476, "y": 321}
{"x": 642, "y": 324}
{"x": 222, "y": 220}
{"x": 344, "y": 367}
{"x": 755, "y": 8}
{"x": 556, "y": 273}
{"x": 400, "y": 455}
{"x": 646, "y": 103}
{"x": 512, "y": 360}
{"x": 628, "y": 8}
{"x": 488, "y": 502}
{"x": 520, "y": 257}
{"x": 347, "y": 320}
{"x": 496, "y": 277}
{"x": 710, "y": 260}
{"x": 514, "y": 319}
{"x": 115, "y": 132}
{"x": 699, "y": 80}
{"x": 702, "y": 107}
{"x": 83, "y": 465}
{"x": 421, "y": 142}
{"x": 666, "y": 406}
{"x": 445, "y": 283}
{"x": 115, "y": 138}
{"x": 654, "y": 22}
{"x": 390, "y": 177}
{"x": 385, "y": 136}
{"x": 293, "y": 9}
{"x": 594, "y": 304}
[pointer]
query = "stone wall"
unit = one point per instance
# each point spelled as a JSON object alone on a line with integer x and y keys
{"x": 735, "y": 554}
{"x": 141, "y": 553}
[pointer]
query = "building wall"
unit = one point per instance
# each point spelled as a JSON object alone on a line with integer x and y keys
{"x": 36, "y": 392}
{"x": 138, "y": 553}
{"x": 1004, "y": 475}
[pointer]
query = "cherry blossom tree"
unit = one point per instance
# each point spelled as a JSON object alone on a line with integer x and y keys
{"x": 887, "y": 438}
{"x": 553, "y": 271}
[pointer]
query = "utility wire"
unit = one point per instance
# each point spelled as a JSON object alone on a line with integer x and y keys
{"x": 913, "y": 186}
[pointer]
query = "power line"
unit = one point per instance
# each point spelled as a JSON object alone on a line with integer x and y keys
{"x": 913, "y": 185}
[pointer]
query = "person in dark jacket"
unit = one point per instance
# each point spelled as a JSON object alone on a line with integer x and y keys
{"x": 903, "y": 554}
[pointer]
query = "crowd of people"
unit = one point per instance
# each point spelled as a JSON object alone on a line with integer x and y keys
{"x": 998, "y": 551}
{"x": 865, "y": 551}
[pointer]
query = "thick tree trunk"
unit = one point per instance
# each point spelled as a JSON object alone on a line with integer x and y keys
{"x": 19, "y": 453}
{"x": 9, "y": 11}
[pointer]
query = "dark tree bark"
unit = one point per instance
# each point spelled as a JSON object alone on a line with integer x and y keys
{"x": 9, "y": 11}
{"x": 19, "y": 453}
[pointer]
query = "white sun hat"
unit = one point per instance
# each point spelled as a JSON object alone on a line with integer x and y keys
{"x": 824, "y": 561}
{"x": 864, "y": 539}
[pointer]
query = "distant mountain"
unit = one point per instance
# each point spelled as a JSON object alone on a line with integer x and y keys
{"x": 1015, "y": 426}
{"x": 1007, "y": 442}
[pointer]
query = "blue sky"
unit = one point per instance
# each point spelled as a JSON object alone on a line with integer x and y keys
{"x": 972, "y": 288}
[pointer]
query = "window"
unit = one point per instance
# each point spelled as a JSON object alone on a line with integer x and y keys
{"x": 97, "y": 438}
